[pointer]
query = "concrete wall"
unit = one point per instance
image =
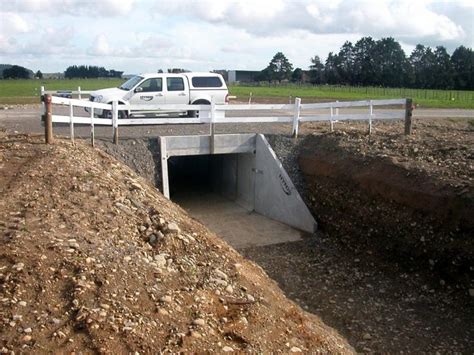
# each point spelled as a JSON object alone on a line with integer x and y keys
{"x": 275, "y": 195}
{"x": 245, "y": 169}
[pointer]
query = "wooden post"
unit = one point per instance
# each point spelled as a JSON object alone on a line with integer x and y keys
{"x": 92, "y": 127}
{"x": 115, "y": 120}
{"x": 250, "y": 98}
{"x": 408, "y": 114}
{"x": 48, "y": 119}
{"x": 296, "y": 118}
{"x": 79, "y": 96}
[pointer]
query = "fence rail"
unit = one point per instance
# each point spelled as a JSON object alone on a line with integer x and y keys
{"x": 295, "y": 113}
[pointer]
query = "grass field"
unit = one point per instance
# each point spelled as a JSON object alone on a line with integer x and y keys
{"x": 424, "y": 98}
{"x": 28, "y": 91}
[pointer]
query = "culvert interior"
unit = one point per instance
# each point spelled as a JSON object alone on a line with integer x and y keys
{"x": 241, "y": 192}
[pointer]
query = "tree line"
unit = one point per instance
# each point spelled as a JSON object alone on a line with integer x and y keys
{"x": 90, "y": 71}
{"x": 382, "y": 62}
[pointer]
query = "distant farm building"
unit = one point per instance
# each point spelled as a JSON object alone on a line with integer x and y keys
{"x": 242, "y": 76}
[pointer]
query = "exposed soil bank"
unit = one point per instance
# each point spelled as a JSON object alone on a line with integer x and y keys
{"x": 372, "y": 203}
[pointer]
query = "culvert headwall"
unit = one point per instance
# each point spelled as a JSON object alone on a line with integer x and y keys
{"x": 241, "y": 167}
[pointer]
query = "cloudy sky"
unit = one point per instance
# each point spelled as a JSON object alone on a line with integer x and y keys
{"x": 146, "y": 35}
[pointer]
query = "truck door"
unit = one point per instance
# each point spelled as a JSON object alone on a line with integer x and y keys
{"x": 149, "y": 92}
{"x": 178, "y": 92}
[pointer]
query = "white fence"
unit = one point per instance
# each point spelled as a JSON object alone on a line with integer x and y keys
{"x": 295, "y": 113}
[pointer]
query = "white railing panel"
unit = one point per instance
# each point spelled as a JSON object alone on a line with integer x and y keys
{"x": 158, "y": 121}
{"x": 75, "y": 92}
{"x": 79, "y": 103}
{"x": 270, "y": 119}
{"x": 167, "y": 107}
{"x": 85, "y": 120}
{"x": 287, "y": 107}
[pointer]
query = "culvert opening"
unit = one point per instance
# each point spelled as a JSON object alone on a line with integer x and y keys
{"x": 236, "y": 186}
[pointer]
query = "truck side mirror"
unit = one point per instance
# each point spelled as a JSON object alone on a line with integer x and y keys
{"x": 138, "y": 89}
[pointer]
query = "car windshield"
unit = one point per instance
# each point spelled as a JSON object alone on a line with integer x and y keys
{"x": 130, "y": 83}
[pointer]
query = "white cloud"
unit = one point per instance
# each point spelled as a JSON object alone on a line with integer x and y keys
{"x": 101, "y": 46}
{"x": 411, "y": 20}
{"x": 97, "y": 8}
{"x": 12, "y": 23}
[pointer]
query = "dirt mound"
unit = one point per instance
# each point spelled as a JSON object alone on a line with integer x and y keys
{"x": 410, "y": 198}
{"x": 95, "y": 259}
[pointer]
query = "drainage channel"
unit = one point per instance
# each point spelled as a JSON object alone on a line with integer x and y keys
{"x": 236, "y": 186}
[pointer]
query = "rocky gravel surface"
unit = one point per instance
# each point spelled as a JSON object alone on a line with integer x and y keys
{"x": 94, "y": 259}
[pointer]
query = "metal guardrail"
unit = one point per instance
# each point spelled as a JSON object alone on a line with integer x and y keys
{"x": 296, "y": 113}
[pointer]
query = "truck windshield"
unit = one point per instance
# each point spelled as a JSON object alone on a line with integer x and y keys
{"x": 130, "y": 83}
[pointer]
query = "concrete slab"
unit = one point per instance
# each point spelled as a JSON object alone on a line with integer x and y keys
{"x": 236, "y": 225}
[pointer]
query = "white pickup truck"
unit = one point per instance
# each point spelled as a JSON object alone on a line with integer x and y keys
{"x": 164, "y": 88}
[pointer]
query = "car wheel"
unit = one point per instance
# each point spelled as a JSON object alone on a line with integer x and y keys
{"x": 108, "y": 114}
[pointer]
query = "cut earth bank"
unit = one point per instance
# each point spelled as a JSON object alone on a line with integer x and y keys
{"x": 383, "y": 264}
{"x": 95, "y": 259}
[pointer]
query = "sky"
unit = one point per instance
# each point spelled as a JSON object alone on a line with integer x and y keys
{"x": 137, "y": 36}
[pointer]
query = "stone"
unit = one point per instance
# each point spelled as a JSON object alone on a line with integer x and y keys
{"x": 22, "y": 303}
{"x": 199, "y": 321}
{"x": 18, "y": 267}
{"x": 295, "y": 349}
{"x": 27, "y": 330}
{"x": 152, "y": 239}
{"x": 367, "y": 336}
{"x": 166, "y": 299}
{"x": 160, "y": 260}
{"x": 221, "y": 274}
{"x": 250, "y": 298}
{"x": 229, "y": 289}
{"x": 127, "y": 259}
{"x": 173, "y": 228}
{"x": 471, "y": 292}
{"x": 227, "y": 349}
{"x": 26, "y": 338}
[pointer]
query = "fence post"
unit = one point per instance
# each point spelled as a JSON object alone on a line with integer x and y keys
{"x": 371, "y": 111}
{"x": 71, "y": 121}
{"x": 92, "y": 127}
{"x": 79, "y": 93}
{"x": 408, "y": 114}
{"x": 212, "y": 128}
{"x": 250, "y": 98}
{"x": 115, "y": 120}
{"x": 296, "y": 118}
{"x": 48, "y": 119}
{"x": 42, "y": 98}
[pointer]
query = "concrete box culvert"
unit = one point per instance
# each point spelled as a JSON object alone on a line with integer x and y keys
{"x": 238, "y": 167}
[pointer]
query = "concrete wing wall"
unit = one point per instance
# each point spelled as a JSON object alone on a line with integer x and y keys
{"x": 275, "y": 195}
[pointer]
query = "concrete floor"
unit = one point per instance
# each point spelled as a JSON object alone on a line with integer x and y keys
{"x": 233, "y": 223}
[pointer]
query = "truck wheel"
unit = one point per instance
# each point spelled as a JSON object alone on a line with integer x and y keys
{"x": 196, "y": 113}
{"x": 108, "y": 114}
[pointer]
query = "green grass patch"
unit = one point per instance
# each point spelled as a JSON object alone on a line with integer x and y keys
{"x": 28, "y": 91}
{"x": 424, "y": 98}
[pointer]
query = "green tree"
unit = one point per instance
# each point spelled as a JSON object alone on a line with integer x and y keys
{"x": 443, "y": 69}
{"x": 280, "y": 68}
{"x": 297, "y": 75}
{"x": 16, "y": 72}
{"x": 316, "y": 71}
{"x": 39, "y": 74}
{"x": 363, "y": 63}
{"x": 345, "y": 63}
{"x": 390, "y": 63}
{"x": 330, "y": 69}
{"x": 462, "y": 62}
